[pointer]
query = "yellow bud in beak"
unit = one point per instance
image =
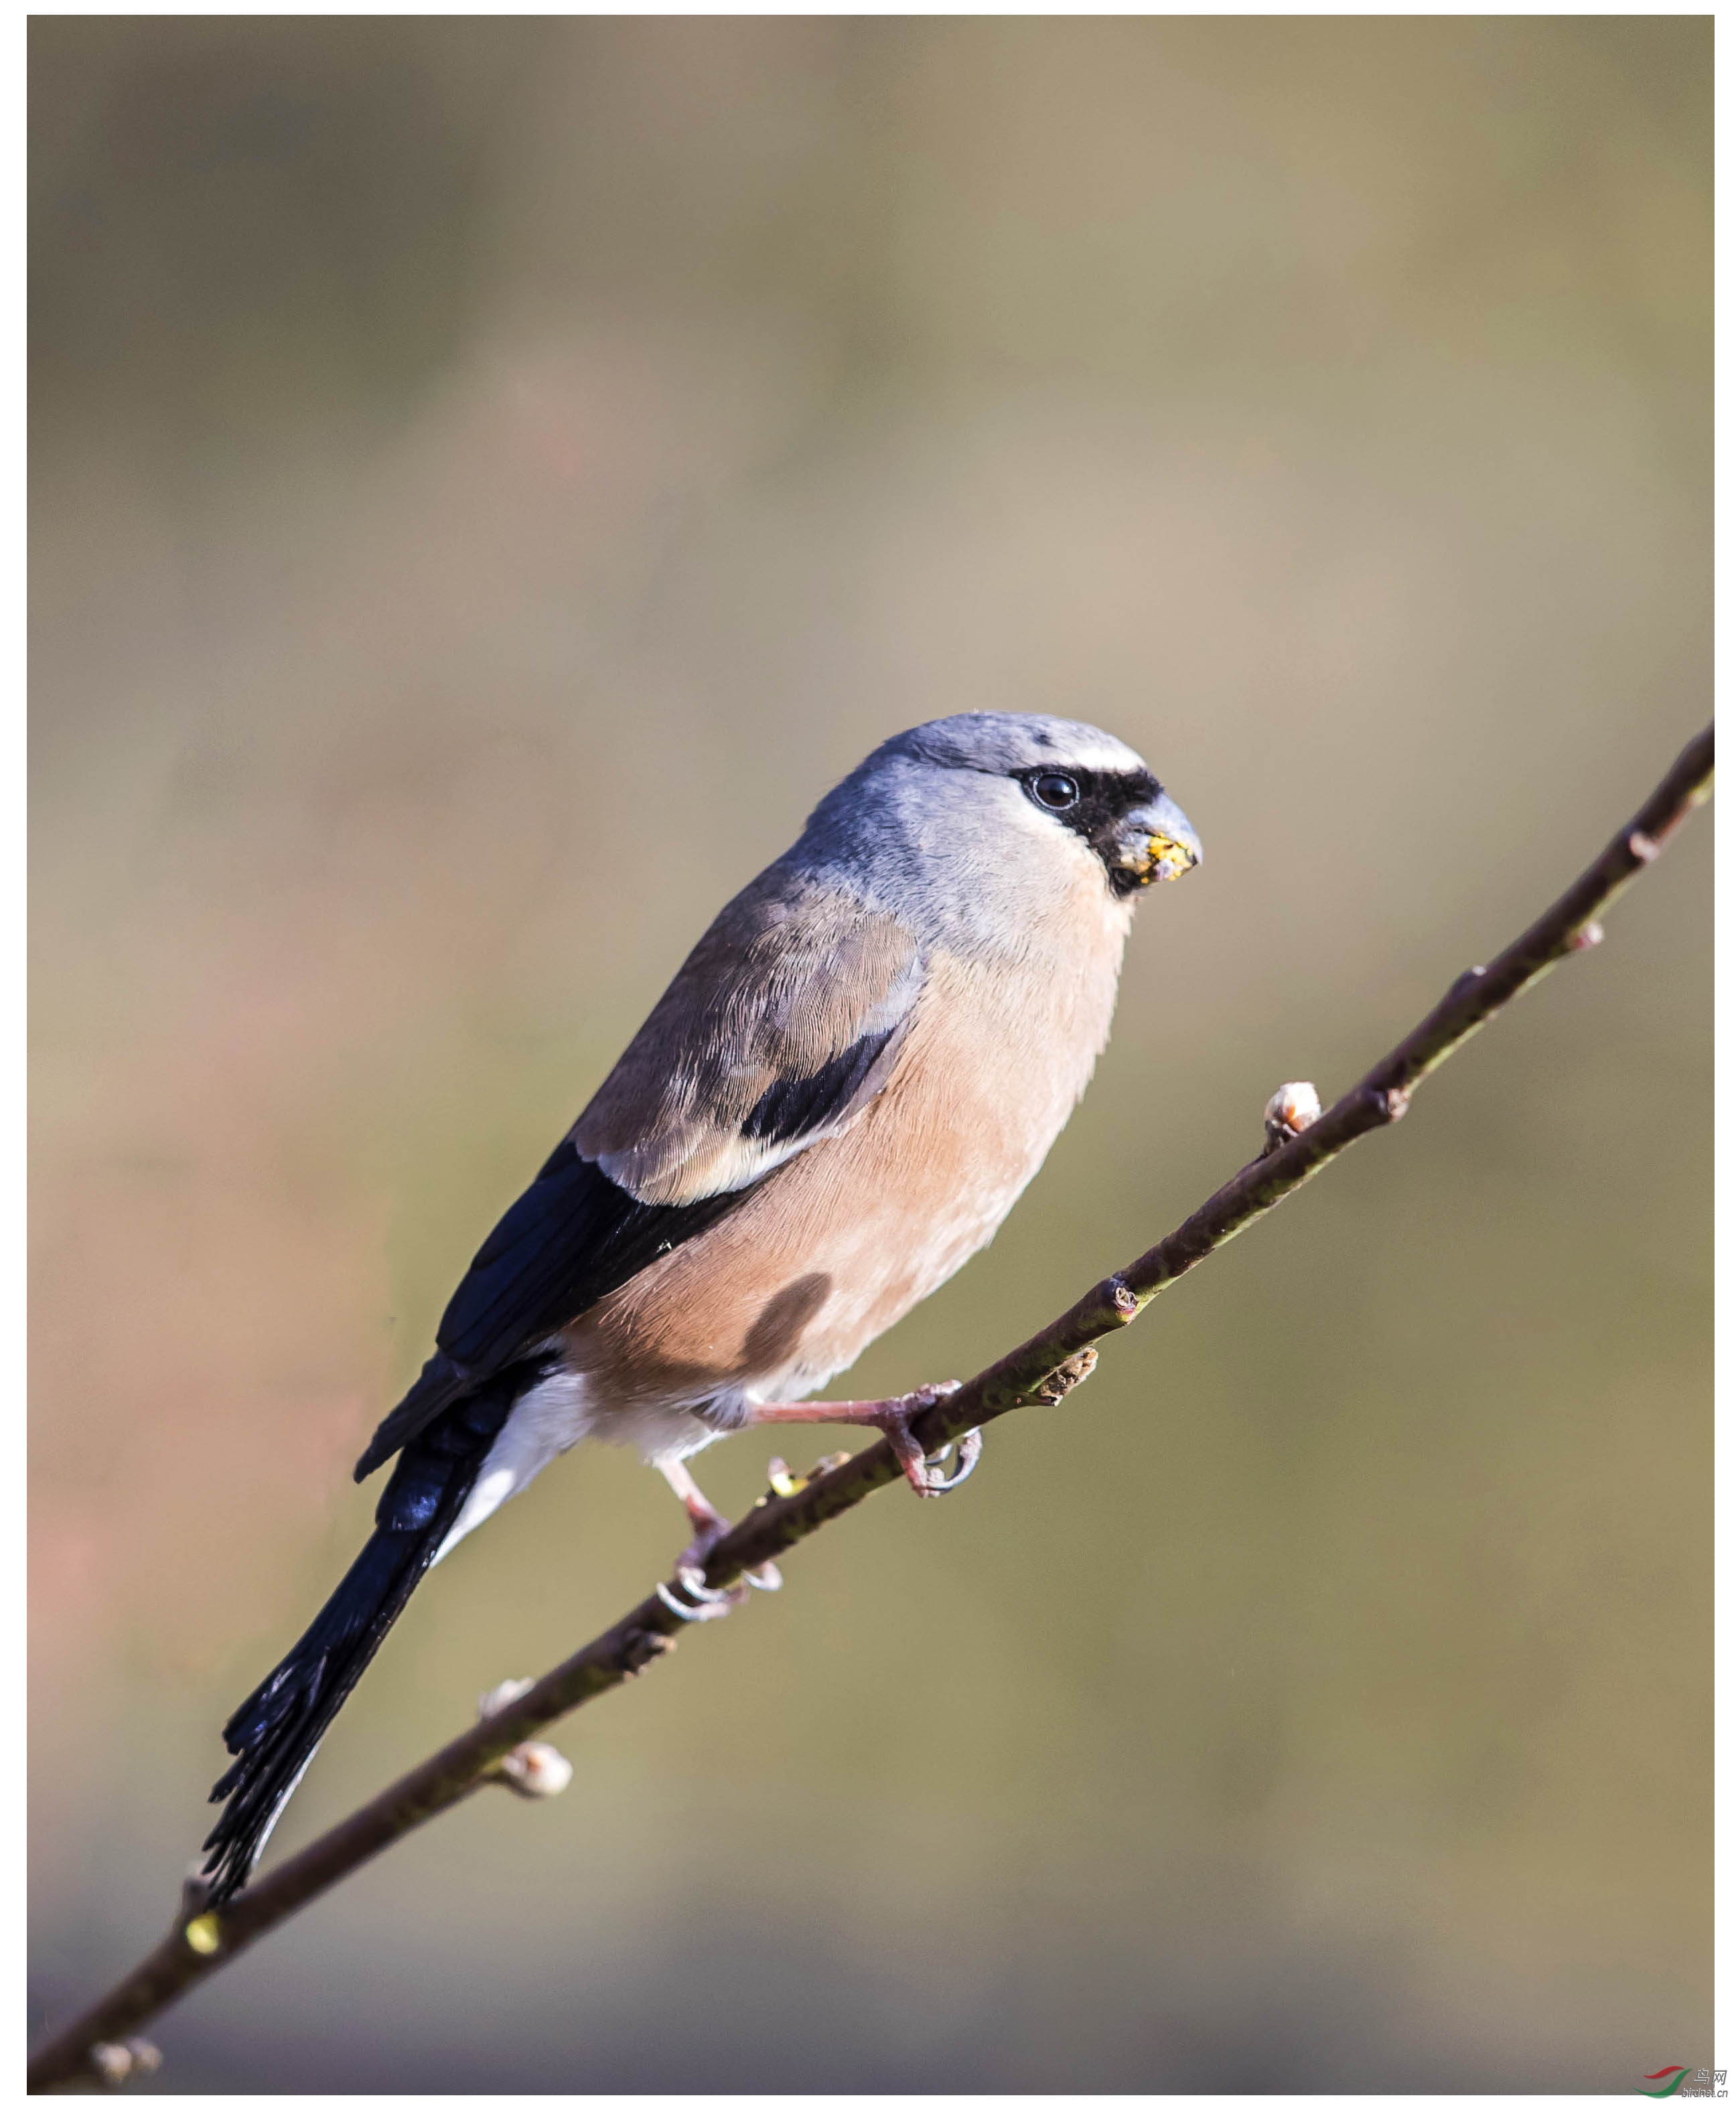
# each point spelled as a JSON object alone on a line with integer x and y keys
{"x": 1157, "y": 841}
{"x": 1170, "y": 856}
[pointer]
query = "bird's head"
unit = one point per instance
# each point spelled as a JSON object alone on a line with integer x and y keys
{"x": 1016, "y": 789}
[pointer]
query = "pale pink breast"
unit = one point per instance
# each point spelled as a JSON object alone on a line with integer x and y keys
{"x": 840, "y": 1242}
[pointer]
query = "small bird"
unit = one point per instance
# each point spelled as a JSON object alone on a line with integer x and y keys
{"x": 850, "y": 1082}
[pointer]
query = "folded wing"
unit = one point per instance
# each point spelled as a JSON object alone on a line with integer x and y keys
{"x": 784, "y": 1022}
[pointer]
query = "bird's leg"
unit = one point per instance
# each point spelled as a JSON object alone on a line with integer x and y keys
{"x": 709, "y": 1524}
{"x": 892, "y": 1418}
{"x": 709, "y": 1521}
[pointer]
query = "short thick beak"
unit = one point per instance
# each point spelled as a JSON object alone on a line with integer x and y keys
{"x": 1157, "y": 841}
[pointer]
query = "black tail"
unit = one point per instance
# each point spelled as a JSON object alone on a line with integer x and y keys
{"x": 275, "y": 1731}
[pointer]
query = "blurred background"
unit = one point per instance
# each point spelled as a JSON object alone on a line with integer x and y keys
{"x": 490, "y": 476}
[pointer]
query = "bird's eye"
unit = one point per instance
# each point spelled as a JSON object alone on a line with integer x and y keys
{"x": 1055, "y": 790}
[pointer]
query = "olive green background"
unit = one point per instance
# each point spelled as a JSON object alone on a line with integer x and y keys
{"x": 489, "y": 479}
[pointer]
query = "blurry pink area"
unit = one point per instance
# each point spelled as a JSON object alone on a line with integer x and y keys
{"x": 489, "y": 479}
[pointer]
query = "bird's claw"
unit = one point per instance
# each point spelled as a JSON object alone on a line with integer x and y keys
{"x": 970, "y": 1452}
{"x": 920, "y": 1470}
{"x": 691, "y": 1578}
{"x": 707, "y": 1604}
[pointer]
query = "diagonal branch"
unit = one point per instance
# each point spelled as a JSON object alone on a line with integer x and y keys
{"x": 1044, "y": 1369}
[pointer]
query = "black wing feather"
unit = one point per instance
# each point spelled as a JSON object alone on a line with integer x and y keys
{"x": 571, "y": 1237}
{"x": 797, "y": 1106}
{"x": 574, "y": 1235}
